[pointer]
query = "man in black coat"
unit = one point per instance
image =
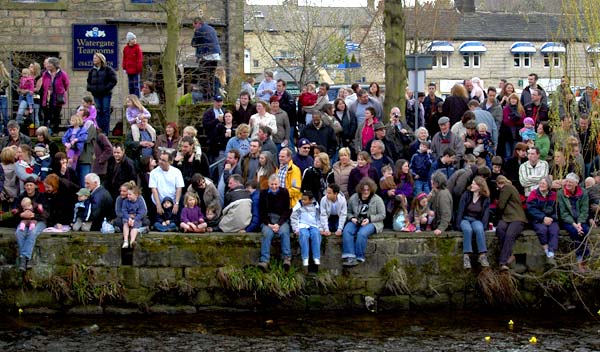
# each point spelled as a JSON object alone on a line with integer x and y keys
{"x": 320, "y": 134}
{"x": 287, "y": 103}
{"x": 120, "y": 169}
{"x": 103, "y": 205}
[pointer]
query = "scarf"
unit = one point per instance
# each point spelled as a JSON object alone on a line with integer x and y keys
{"x": 364, "y": 170}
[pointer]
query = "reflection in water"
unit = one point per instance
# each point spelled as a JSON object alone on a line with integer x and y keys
{"x": 314, "y": 331}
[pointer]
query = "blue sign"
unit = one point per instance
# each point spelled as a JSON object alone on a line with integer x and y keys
{"x": 352, "y": 46}
{"x": 89, "y": 39}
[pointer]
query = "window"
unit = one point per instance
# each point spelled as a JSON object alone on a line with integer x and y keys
{"x": 552, "y": 60}
{"x": 256, "y": 63}
{"x": 472, "y": 60}
{"x": 259, "y": 14}
{"x": 522, "y": 60}
{"x": 441, "y": 60}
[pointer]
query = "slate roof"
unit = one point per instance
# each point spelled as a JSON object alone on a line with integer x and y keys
{"x": 449, "y": 25}
{"x": 492, "y": 26}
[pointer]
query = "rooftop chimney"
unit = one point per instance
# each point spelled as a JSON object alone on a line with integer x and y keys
{"x": 464, "y": 5}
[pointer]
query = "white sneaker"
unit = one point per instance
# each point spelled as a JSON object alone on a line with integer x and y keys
{"x": 125, "y": 244}
{"x": 304, "y": 262}
{"x": 317, "y": 261}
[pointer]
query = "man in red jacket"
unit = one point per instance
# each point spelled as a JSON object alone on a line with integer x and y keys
{"x": 132, "y": 63}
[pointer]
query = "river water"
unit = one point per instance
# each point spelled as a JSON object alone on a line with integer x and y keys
{"x": 316, "y": 331}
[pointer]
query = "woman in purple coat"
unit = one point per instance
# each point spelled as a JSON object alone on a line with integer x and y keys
{"x": 363, "y": 169}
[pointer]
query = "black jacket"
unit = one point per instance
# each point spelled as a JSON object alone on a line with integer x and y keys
{"x": 103, "y": 206}
{"x": 100, "y": 82}
{"x": 323, "y": 136}
{"x": 118, "y": 174}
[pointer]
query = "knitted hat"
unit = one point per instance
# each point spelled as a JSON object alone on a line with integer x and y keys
{"x": 528, "y": 120}
{"x": 40, "y": 147}
{"x": 130, "y": 36}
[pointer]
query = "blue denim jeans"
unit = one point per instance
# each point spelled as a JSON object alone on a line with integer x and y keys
{"x": 470, "y": 225}
{"x": 354, "y": 239}
{"x": 4, "y": 111}
{"x": 103, "y": 109}
{"x": 165, "y": 228}
{"x": 581, "y": 249}
{"x": 268, "y": 234}
{"x": 134, "y": 84}
{"x": 83, "y": 170}
{"x": 26, "y": 239}
{"x": 422, "y": 186}
{"x": 23, "y": 106}
{"x": 310, "y": 237}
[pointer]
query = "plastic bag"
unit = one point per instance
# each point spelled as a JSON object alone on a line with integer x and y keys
{"x": 107, "y": 227}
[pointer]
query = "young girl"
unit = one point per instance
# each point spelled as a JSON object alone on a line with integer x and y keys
{"x": 87, "y": 103}
{"x": 135, "y": 111}
{"x": 387, "y": 185}
{"x": 484, "y": 141}
{"x": 528, "y": 132}
{"x": 189, "y": 131}
{"x": 26, "y": 86}
{"x": 74, "y": 139}
{"x": 401, "y": 222}
{"x": 404, "y": 179}
{"x": 192, "y": 219}
{"x": 420, "y": 215}
{"x": 134, "y": 210}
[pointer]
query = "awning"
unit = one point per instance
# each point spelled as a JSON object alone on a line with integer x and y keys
{"x": 593, "y": 49}
{"x": 440, "y": 46}
{"x": 553, "y": 47}
{"x": 472, "y": 47}
{"x": 522, "y": 47}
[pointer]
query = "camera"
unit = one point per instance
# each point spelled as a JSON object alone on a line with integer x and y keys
{"x": 396, "y": 114}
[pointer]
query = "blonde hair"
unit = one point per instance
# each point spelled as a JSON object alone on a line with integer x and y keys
{"x": 26, "y": 202}
{"x": 344, "y": 151}
{"x": 220, "y": 74}
{"x": 482, "y": 125}
{"x": 242, "y": 128}
{"x": 101, "y": 57}
{"x": 76, "y": 120}
{"x": 311, "y": 88}
{"x": 135, "y": 101}
{"x": 502, "y": 180}
{"x": 191, "y": 130}
{"x": 8, "y": 155}
{"x": 26, "y": 72}
{"x": 189, "y": 195}
{"x": 459, "y": 90}
{"x": 324, "y": 158}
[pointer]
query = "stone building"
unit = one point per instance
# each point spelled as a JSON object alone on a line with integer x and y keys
{"x": 33, "y": 30}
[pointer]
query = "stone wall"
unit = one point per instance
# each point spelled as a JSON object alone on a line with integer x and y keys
{"x": 180, "y": 273}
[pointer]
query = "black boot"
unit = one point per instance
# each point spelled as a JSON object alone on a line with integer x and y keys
{"x": 22, "y": 263}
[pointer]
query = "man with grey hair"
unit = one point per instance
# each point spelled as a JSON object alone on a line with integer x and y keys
{"x": 379, "y": 159}
{"x": 363, "y": 101}
{"x": 101, "y": 202}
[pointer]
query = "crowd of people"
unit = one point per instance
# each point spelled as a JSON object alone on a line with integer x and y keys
{"x": 482, "y": 159}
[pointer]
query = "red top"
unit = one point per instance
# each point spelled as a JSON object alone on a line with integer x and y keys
{"x": 132, "y": 59}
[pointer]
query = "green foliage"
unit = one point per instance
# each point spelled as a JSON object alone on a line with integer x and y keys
{"x": 395, "y": 277}
{"x": 277, "y": 283}
{"x": 83, "y": 284}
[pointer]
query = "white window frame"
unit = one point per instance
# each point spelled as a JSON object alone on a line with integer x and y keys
{"x": 552, "y": 60}
{"x": 441, "y": 60}
{"x": 471, "y": 60}
{"x": 522, "y": 60}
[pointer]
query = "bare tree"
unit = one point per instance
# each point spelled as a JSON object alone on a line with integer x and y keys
{"x": 299, "y": 40}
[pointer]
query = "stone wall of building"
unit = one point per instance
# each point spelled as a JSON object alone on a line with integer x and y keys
{"x": 184, "y": 273}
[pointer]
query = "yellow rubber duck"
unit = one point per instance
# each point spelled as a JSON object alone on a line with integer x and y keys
{"x": 20, "y": 311}
{"x": 487, "y": 339}
{"x": 533, "y": 340}
{"x": 598, "y": 311}
{"x": 511, "y": 324}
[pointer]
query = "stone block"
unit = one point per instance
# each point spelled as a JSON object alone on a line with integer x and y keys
{"x": 411, "y": 246}
{"x": 10, "y": 276}
{"x": 393, "y": 303}
{"x": 129, "y": 276}
{"x": 35, "y": 298}
{"x": 199, "y": 277}
{"x": 143, "y": 257}
{"x": 374, "y": 284}
{"x": 121, "y": 310}
{"x": 169, "y": 274}
{"x": 203, "y": 298}
{"x": 429, "y": 302}
{"x": 164, "y": 309}
{"x": 326, "y": 302}
{"x": 86, "y": 310}
{"x": 183, "y": 257}
{"x": 139, "y": 296}
{"x": 148, "y": 277}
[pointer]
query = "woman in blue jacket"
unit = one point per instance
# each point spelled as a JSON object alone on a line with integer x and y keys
{"x": 542, "y": 211}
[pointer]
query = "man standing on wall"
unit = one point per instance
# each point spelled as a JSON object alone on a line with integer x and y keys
{"x": 208, "y": 55}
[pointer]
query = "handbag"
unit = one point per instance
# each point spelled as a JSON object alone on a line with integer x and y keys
{"x": 60, "y": 99}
